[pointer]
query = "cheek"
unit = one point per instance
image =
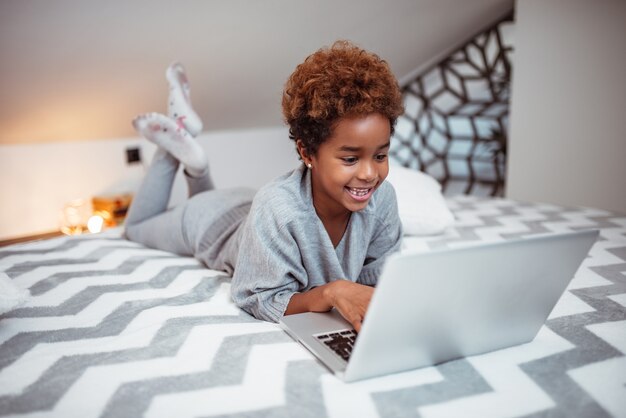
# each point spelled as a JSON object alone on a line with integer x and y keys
{"x": 383, "y": 171}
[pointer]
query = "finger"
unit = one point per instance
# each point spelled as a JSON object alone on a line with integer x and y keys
{"x": 356, "y": 324}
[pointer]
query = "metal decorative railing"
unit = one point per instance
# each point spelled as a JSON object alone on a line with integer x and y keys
{"x": 456, "y": 116}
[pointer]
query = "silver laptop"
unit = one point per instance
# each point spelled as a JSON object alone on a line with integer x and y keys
{"x": 436, "y": 306}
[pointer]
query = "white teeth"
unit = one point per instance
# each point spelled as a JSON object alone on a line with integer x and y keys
{"x": 358, "y": 192}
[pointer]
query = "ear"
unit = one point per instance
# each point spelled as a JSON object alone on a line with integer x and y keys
{"x": 302, "y": 151}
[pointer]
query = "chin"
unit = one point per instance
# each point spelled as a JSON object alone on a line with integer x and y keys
{"x": 354, "y": 206}
{"x": 358, "y": 209}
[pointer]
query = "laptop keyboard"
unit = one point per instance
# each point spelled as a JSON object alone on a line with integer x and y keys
{"x": 339, "y": 342}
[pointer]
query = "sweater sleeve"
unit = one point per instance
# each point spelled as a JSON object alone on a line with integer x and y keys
{"x": 386, "y": 239}
{"x": 269, "y": 268}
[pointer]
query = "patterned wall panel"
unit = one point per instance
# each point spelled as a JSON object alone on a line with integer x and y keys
{"x": 456, "y": 116}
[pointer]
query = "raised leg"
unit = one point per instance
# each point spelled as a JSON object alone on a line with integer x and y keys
{"x": 149, "y": 221}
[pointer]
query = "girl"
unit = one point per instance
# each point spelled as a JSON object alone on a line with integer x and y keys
{"x": 314, "y": 238}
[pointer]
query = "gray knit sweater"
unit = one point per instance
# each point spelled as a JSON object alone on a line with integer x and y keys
{"x": 284, "y": 247}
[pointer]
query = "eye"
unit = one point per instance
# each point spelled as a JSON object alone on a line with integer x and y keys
{"x": 381, "y": 157}
{"x": 349, "y": 160}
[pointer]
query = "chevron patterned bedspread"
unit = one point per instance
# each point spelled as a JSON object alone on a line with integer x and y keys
{"x": 118, "y": 330}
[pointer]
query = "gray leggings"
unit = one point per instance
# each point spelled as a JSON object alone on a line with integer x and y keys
{"x": 149, "y": 222}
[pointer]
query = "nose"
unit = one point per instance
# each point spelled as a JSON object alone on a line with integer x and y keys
{"x": 367, "y": 172}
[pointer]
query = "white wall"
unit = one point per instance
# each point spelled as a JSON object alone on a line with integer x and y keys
{"x": 36, "y": 181}
{"x": 568, "y": 108}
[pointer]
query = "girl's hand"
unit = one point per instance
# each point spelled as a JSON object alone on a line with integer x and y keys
{"x": 350, "y": 299}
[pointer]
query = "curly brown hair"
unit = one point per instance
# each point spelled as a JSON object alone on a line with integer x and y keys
{"x": 341, "y": 81}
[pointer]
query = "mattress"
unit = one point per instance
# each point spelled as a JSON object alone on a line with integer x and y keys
{"x": 117, "y": 329}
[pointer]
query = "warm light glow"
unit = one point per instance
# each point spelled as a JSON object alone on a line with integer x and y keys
{"x": 72, "y": 230}
{"x": 73, "y": 217}
{"x": 95, "y": 223}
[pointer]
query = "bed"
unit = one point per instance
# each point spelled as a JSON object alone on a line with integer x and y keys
{"x": 116, "y": 329}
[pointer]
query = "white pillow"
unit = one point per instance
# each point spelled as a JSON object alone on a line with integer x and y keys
{"x": 11, "y": 296}
{"x": 423, "y": 210}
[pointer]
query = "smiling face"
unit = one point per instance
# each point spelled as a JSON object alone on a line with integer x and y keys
{"x": 349, "y": 165}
